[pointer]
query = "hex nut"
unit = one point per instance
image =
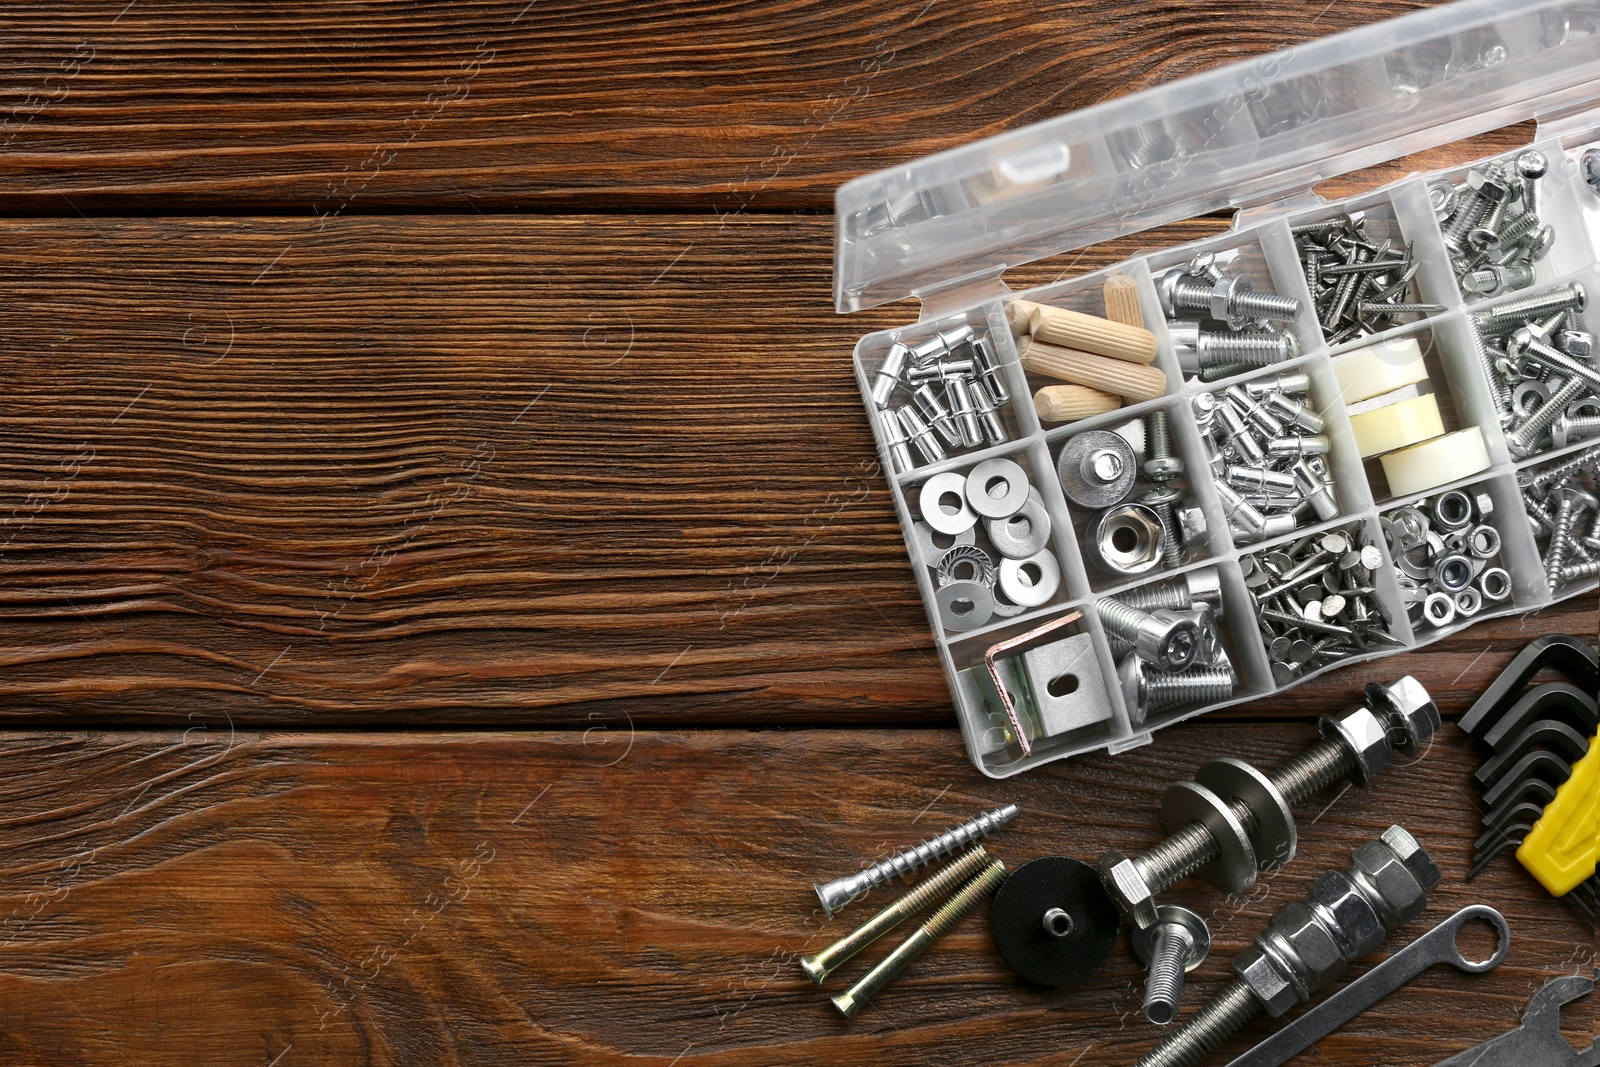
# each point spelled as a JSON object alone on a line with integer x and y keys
{"x": 1413, "y": 855}
{"x": 1491, "y": 189}
{"x": 1483, "y": 502}
{"x": 1347, "y": 912}
{"x": 1412, "y": 714}
{"x": 1310, "y": 947}
{"x": 1365, "y": 736}
{"x": 1266, "y": 979}
{"x": 1391, "y": 884}
{"x": 1191, "y": 524}
{"x": 1578, "y": 344}
{"x": 1128, "y": 888}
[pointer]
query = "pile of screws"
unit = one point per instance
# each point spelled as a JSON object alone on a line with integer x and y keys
{"x": 1315, "y": 601}
{"x": 1563, "y": 503}
{"x": 1219, "y": 325}
{"x": 1268, "y": 455}
{"x": 956, "y": 390}
{"x": 1359, "y": 287}
{"x": 1493, "y": 226}
{"x": 1446, "y": 553}
{"x": 1166, "y": 637}
{"x": 1542, "y": 378}
{"x": 1133, "y": 532}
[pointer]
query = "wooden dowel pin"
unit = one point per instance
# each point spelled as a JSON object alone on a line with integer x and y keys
{"x": 1130, "y": 381}
{"x": 1068, "y": 403}
{"x": 1090, "y": 333}
{"x": 1122, "y": 301}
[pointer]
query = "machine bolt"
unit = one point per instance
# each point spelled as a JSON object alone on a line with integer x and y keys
{"x": 1177, "y": 944}
{"x": 1162, "y": 466}
{"x": 1162, "y": 637}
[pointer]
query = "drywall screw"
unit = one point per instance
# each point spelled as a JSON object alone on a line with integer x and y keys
{"x": 921, "y": 436}
{"x": 1238, "y": 1004}
{"x": 894, "y": 437}
{"x": 841, "y": 891}
{"x": 1570, "y": 500}
{"x": 889, "y": 373}
{"x": 1526, "y": 437}
{"x": 850, "y": 1001}
{"x": 960, "y": 869}
{"x": 1162, "y": 466}
{"x": 1177, "y": 944}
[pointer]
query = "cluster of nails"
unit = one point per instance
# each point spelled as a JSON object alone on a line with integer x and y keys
{"x": 956, "y": 390}
{"x": 1268, "y": 454}
{"x": 1315, "y": 601}
{"x": 1219, "y": 325}
{"x": 1493, "y": 225}
{"x": 1564, "y": 508}
{"x": 1542, "y": 377}
{"x": 1359, "y": 286}
{"x": 1166, "y": 637}
{"x": 1444, "y": 553}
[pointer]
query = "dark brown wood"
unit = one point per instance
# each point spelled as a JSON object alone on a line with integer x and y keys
{"x": 549, "y": 898}
{"x": 464, "y": 469}
{"x": 327, "y": 109}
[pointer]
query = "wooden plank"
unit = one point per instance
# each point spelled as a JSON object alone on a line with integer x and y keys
{"x": 328, "y": 109}
{"x": 459, "y": 469}
{"x": 546, "y": 898}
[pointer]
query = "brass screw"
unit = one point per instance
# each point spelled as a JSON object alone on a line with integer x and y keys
{"x": 936, "y": 927}
{"x": 829, "y": 959}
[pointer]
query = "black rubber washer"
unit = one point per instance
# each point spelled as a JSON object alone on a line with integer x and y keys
{"x": 1017, "y": 920}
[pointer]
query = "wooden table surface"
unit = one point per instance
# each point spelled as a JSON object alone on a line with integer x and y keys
{"x": 450, "y": 613}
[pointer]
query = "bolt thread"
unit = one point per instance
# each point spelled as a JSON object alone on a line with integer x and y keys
{"x": 1520, "y": 227}
{"x": 1560, "y": 537}
{"x": 1187, "y": 296}
{"x": 1194, "y": 686}
{"x": 1380, "y": 307}
{"x": 1119, "y": 619}
{"x": 1526, "y": 437}
{"x": 837, "y": 893}
{"x": 1513, "y": 313}
{"x": 1213, "y": 372}
{"x": 1226, "y": 1014}
{"x": 1466, "y": 217}
{"x": 1249, "y": 349}
{"x": 1174, "y": 596}
{"x": 1160, "y": 435}
{"x": 1579, "y": 571}
{"x": 1498, "y": 393}
{"x": 1176, "y": 858}
{"x": 1172, "y": 544}
{"x": 1273, "y": 306}
{"x": 942, "y": 921}
{"x": 1163, "y": 987}
{"x": 1312, "y": 771}
{"x": 1542, "y": 482}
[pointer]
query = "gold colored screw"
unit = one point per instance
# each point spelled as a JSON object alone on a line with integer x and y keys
{"x": 958, "y": 871}
{"x": 950, "y": 913}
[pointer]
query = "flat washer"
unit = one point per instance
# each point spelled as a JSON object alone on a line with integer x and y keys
{"x": 964, "y": 605}
{"x": 1276, "y": 836}
{"x": 1234, "y": 870}
{"x": 1113, "y": 482}
{"x": 1006, "y": 534}
{"x": 1017, "y": 921}
{"x": 933, "y": 512}
{"x": 1030, "y": 595}
{"x": 1006, "y": 504}
{"x": 932, "y": 551}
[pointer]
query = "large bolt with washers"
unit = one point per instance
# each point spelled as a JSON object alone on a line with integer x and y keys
{"x": 1233, "y": 820}
{"x": 1307, "y": 946}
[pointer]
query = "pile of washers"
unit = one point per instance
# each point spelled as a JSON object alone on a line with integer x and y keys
{"x": 1445, "y": 555}
{"x": 972, "y": 587}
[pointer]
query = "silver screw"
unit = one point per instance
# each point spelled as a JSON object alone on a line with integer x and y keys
{"x": 1162, "y": 466}
{"x": 1148, "y": 692}
{"x": 1526, "y": 437}
{"x": 841, "y": 891}
{"x": 1162, "y": 637}
{"x": 1229, "y": 298}
{"x": 1177, "y": 944}
{"x": 1506, "y": 317}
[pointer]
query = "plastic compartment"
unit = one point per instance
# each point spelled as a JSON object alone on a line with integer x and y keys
{"x": 1505, "y": 526}
{"x": 1577, "y": 162}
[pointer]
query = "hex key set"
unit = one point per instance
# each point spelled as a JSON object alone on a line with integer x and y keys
{"x": 1407, "y": 375}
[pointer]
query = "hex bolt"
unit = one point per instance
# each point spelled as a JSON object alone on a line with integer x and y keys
{"x": 1177, "y": 944}
{"x": 1487, "y": 189}
{"x": 1162, "y": 466}
{"x": 1228, "y": 298}
{"x": 1162, "y": 637}
{"x": 841, "y": 891}
{"x": 953, "y": 910}
{"x": 963, "y": 867}
{"x": 1308, "y": 946}
{"x": 1355, "y": 746}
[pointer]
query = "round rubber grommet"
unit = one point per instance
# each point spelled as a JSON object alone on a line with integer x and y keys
{"x": 1379, "y": 369}
{"x": 1405, "y": 422}
{"x": 1443, "y": 459}
{"x": 1017, "y": 919}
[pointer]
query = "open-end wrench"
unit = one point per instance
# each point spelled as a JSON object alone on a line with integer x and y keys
{"x": 1436, "y": 946}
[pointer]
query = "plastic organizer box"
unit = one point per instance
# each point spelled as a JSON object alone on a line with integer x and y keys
{"x": 1254, "y": 137}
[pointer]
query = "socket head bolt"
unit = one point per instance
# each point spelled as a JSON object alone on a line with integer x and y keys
{"x": 1176, "y": 944}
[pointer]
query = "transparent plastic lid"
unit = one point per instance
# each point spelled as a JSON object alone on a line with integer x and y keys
{"x": 1252, "y": 132}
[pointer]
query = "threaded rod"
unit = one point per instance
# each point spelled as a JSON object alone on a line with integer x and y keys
{"x": 1226, "y": 1014}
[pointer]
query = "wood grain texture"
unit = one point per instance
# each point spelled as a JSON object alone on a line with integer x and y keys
{"x": 462, "y": 469}
{"x": 546, "y": 898}
{"x": 561, "y": 104}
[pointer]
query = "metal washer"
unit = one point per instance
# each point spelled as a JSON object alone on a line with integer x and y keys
{"x": 933, "y": 513}
{"x": 1070, "y": 469}
{"x": 932, "y": 553}
{"x": 1013, "y": 500}
{"x": 1030, "y": 596}
{"x": 978, "y": 596}
{"x": 1234, "y": 870}
{"x": 976, "y": 558}
{"x": 1016, "y": 920}
{"x": 1012, "y": 545}
{"x": 1276, "y": 836}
